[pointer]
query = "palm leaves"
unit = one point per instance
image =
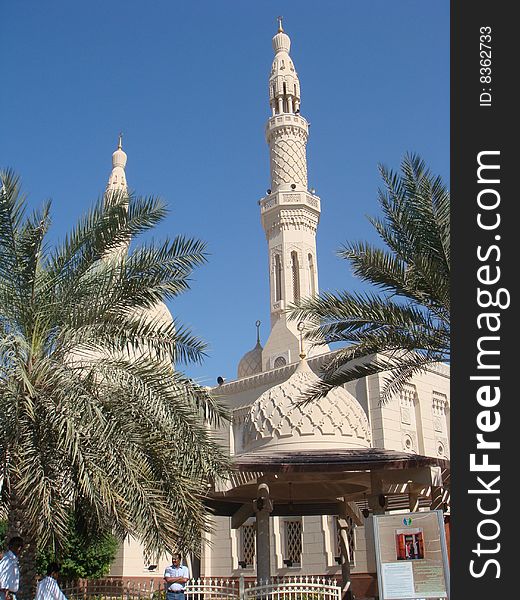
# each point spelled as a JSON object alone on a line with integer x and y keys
{"x": 406, "y": 326}
{"x": 94, "y": 421}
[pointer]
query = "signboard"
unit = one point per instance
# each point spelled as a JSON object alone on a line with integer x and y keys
{"x": 411, "y": 556}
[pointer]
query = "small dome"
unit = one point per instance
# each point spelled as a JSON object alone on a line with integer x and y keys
{"x": 119, "y": 156}
{"x": 251, "y": 362}
{"x": 117, "y": 179}
{"x": 281, "y": 42}
{"x": 278, "y": 421}
{"x": 159, "y": 313}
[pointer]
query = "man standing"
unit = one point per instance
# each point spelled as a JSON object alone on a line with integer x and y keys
{"x": 10, "y": 569}
{"x": 175, "y": 576}
{"x": 48, "y": 588}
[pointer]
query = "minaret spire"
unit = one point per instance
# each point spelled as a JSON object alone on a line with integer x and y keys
{"x": 117, "y": 190}
{"x": 290, "y": 212}
{"x": 117, "y": 179}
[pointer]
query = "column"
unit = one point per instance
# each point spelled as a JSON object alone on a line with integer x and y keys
{"x": 263, "y": 507}
{"x": 344, "y": 526}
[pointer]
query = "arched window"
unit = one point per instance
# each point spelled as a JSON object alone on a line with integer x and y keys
{"x": 279, "y": 362}
{"x": 312, "y": 276}
{"x": 295, "y": 276}
{"x": 285, "y": 102}
{"x": 277, "y": 278}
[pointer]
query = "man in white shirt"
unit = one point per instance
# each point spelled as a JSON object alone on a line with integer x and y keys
{"x": 48, "y": 588}
{"x": 175, "y": 576}
{"x": 10, "y": 570}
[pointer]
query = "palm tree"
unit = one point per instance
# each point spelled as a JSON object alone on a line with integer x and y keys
{"x": 95, "y": 423}
{"x": 406, "y": 326}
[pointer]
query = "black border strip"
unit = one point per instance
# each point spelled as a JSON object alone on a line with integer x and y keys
{"x": 483, "y": 124}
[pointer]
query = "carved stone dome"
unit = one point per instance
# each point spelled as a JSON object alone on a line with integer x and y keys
{"x": 281, "y": 42}
{"x": 251, "y": 362}
{"x": 277, "y": 420}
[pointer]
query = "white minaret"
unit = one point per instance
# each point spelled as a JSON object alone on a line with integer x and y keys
{"x": 290, "y": 212}
{"x": 158, "y": 314}
{"x": 117, "y": 185}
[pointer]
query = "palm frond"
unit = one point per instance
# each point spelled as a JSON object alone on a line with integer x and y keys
{"x": 407, "y": 326}
{"x": 95, "y": 419}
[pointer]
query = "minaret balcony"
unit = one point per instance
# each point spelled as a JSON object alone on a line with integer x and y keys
{"x": 297, "y": 199}
{"x": 284, "y": 119}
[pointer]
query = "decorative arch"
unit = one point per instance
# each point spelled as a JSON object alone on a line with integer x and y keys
{"x": 277, "y": 278}
{"x": 312, "y": 275}
{"x": 295, "y": 266}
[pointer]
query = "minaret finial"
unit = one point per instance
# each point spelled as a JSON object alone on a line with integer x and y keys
{"x": 258, "y": 323}
{"x": 117, "y": 179}
{"x": 280, "y": 26}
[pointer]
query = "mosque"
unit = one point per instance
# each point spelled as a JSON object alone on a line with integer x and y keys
{"x": 309, "y": 477}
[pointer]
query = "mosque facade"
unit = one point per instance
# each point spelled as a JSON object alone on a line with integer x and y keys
{"x": 266, "y": 417}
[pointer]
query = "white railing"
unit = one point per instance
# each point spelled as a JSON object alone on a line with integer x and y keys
{"x": 213, "y": 589}
{"x": 278, "y": 588}
{"x": 112, "y": 589}
{"x": 293, "y": 588}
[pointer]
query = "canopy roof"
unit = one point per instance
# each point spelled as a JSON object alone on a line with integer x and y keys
{"x": 310, "y": 482}
{"x": 340, "y": 459}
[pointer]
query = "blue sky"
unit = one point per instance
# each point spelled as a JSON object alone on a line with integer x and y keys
{"x": 187, "y": 84}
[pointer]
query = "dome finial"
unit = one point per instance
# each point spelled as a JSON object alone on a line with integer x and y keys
{"x": 301, "y": 327}
{"x": 258, "y": 323}
{"x": 120, "y": 144}
{"x": 280, "y": 26}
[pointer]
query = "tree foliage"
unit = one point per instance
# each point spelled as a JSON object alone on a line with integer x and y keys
{"x": 405, "y": 326}
{"x": 94, "y": 419}
{"x": 81, "y": 558}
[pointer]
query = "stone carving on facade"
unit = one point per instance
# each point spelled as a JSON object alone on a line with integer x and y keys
{"x": 291, "y": 198}
{"x": 410, "y": 442}
{"x": 288, "y": 162}
{"x": 266, "y": 205}
{"x": 440, "y": 424}
{"x": 407, "y": 405}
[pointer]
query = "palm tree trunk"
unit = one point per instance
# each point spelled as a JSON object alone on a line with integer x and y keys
{"x": 18, "y": 525}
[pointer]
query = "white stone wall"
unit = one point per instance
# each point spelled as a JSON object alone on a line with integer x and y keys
{"x": 391, "y": 431}
{"x": 131, "y": 562}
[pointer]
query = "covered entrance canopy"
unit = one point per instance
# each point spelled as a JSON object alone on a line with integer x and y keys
{"x": 343, "y": 482}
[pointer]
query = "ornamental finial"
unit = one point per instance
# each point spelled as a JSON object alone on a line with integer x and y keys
{"x": 301, "y": 327}
{"x": 258, "y": 323}
{"x": 120, "y": 143}
{"x": 280, "y": 26}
